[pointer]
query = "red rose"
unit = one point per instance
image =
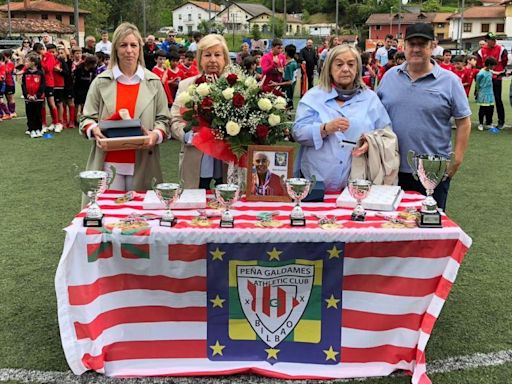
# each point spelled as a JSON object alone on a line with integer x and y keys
{"x": 238, "y": 100}
{"x": 266, "y": 88}
{"x": 277, "y": 92}
{"x": 207, "y": 102}
{"x": 231, "y": 78}
{"x": 262, "y": 131}
{"x": 200, "y": 80}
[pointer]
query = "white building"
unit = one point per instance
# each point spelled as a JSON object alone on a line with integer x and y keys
{"x": 187, "y": 17}
{"x": 320, "y": 29}
{"x": 236, "y": 16}
{"x": 478, "y": 21}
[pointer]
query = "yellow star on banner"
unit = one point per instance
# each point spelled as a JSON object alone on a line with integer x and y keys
{"x": 217, "y": 348}
{"x": 217, "y": 254}
{"x": 332, "y": 302}
{"x": 217, "y": 302}
{"x": 334, "y": 253}
{"x": 330, "y": 354}
{"x": 272, "y": 353}
{"x": 274, "y": 254}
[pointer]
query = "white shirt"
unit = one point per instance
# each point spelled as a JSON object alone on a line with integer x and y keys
{"x": 382, "y": 55}
{"x": 104, "y": 47}
{"x": 438, "y": 51}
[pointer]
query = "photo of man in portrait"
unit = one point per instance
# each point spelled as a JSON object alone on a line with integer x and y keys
{"x": 265, "y": 182}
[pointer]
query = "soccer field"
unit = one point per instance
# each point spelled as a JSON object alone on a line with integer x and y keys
{"x": 39, "y": 197}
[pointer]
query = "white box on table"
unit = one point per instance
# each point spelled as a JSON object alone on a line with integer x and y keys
{"x": 380, "y": 198}
{"x": 189, "y": 199}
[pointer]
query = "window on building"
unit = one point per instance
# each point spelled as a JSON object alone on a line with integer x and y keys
{"x": 378, "y": 27}
{"x": 485, "y": 27}
{"x": 44, "y": 16}
{"x": 199, "y": 16}
{"x": 179, "y": 17}
{"x": 189, "y": 29}
{"x": 500, "y": 27}
{"x": 440, "y": 25}
{"x": 189, "y": 17}
{"x": 58, "y": 17}
{"x": 440, "y": 36}
{"x": 180, "y": 28}
{"x": 468, "y": 27}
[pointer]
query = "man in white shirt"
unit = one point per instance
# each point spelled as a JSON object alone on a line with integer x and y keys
{"x": 104, "y": 45}
{"x": 381, "y": 56}
{"x": 437, "y": 50}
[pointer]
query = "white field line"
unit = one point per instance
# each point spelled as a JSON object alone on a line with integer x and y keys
{"x": 451, "y": 364}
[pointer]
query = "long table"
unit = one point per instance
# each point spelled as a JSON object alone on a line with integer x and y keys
{"x": 355, "y": 301}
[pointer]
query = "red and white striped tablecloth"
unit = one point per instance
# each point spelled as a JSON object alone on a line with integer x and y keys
{"x": 127, "y": 308}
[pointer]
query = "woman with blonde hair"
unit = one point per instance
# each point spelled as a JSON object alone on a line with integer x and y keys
{"x": 196, "y": 168}
{"x": 333, "y": 116}
{"x": 127, "y": 90}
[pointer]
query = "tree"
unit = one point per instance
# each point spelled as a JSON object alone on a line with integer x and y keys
{"x": 256, "y": 32}
{"x": 278, "y": 23}
{"x": 431, "y": 6}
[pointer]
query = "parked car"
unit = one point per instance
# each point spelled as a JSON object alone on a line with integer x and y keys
{"x": 10, "y": 42}
{"x": 165, "y": 29}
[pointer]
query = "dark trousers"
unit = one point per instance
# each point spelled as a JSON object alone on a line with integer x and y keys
{"x": 409, "y": 183}
{"x": 311, "y": 76}
{"x": 33, "y": 111}
{"x": 485, "y": 111}
{"x": 496, "y": 89}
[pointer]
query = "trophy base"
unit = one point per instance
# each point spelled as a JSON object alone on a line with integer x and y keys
{"x": 94, "y": 222}
{"x": 168, "y": 223}
{"x": 358, "y": 216}
{"x": 227, "y": 223}
{"x": 429, "y": 220}
{"x": 298, "y": 221}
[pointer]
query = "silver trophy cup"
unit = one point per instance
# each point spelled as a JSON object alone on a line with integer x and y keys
{"x": 92, "y": 184}
{"x": 430, "y": 170}
{"x": 298, "y": 189}
{"x": 168, "y": 193}
{"x": 227, "y": 195}
{"x": 359, "y": 190}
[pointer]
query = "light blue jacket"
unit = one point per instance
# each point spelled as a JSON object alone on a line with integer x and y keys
{"x": 328, "y": 159}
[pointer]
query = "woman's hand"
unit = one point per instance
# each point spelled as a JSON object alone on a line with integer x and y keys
{"x": 97, "y": 134}
{"x": 153, "y": 138}
{"x": 340, "y": 124}
{"x": 362, "y": 149}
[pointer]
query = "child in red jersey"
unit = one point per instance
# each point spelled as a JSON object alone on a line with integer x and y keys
{"x": 33, "y": 85}
{"x": 188, "y": 67}
{"x": 161, "y": 71}
{"x": 447, "y": 60}
{"x": 4, "y": 111}
{"x": 174, "y": 74}
{"x": 471, "y": 71}
{"x": 67, "y": 92}
{"x": 59, "y": 72}
{"x": 458, "y": 69}
{"x": 48, "y": 62}
{"x": 10, "y": 89}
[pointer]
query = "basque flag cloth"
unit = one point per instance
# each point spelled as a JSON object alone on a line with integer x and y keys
{"x": 288, "y": 303}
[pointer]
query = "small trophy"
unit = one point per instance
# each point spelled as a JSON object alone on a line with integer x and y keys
{"x": 430, "y": 170}
{"x": 298, "y": 189}
{"x": 168, "y": 193}
{"x": 92, "y": 184}
{"x": 359, "y": 190}
{"x": 227, "y": 195}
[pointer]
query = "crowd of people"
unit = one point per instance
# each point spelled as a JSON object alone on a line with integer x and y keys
{"x": 357, "y": 94}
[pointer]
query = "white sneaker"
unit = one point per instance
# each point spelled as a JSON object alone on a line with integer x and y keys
{"x": 480, "y": 127}
{"x": 50, "y": 128}
{"x": 33, "y": 134}
{"x": 45, "y": 129}
{"x": 58, "y": 127}
{"x": 27, "y": 132}
{"x": 38, "y": 133}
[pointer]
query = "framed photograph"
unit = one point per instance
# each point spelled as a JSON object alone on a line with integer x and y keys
{"x": 268, "y": 168}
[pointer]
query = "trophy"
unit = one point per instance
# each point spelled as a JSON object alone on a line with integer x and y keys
{"x": 168, "y": 193}
{"x": 227, "y": 194}
{"x": 93, "y": 183}
{"x": 430, "y": 170}
{"x": 359, "y": 190}
{"x": 298, "y": 189}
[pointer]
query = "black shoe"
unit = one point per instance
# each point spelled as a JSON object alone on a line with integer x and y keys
{"x": 500, "y": 125}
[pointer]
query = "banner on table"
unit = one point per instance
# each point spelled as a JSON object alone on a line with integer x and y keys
{"x": 275, "y": 302}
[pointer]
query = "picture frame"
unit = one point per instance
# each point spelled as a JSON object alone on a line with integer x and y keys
{"x": 268, "y": 167}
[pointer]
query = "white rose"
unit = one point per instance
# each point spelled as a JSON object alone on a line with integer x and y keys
{"x": 183, "y": 98}
{"x": 228, "y": 93}
{"x": 192, "y": 89}
{"x": 232, "y": 128}
{"x": 203, "y": 89}
{"x": 273, "y": 120}
{"x": 251, "y": 82}
{"x": 265, "y": 104}
{"x": 280, "y": 103}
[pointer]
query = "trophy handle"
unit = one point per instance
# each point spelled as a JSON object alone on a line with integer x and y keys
{"x": 212, "y": 185}
{"x": 112, "y": 176}
{"x": 313, "y": 183}
{"x": 451, "y": 157}
{"x": 154, "y": 182}
{"x": 75, "y": 173}
{"x": 410, "y": 159}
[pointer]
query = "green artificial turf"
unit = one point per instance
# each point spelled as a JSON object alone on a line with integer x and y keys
{"x": 39, "y": 197}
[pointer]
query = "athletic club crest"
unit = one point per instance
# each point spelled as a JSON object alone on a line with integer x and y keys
{"x": 273, "y": 299}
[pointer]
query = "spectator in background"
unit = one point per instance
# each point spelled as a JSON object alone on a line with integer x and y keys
{"x": 471, "y": 72}
{"x": 83, "y": 76}
{"x": 242, "y": 54}
{"x": 333, "y": 42}
{"x": 368, "y": 73}
{"x": 188, "y": 67}
{"x": 399, "y": 58}
{"x": 21, "y": 52}
{"x": 437, "y": 50}
{"x": 104, "y": 45}
{"x": 90, "y": 45}
{"x": 381, "y": 56}
{"x": 485, "y": 95}
{"x": 500, "y": 54}
{"x": 196, "y": 36}
{"x": 273, "y": 63}
{"x": 310, "y": 57}
{"x": 447, "y": 60}
{"x": 390, "y": 64}
{"x": 291, "y": 70}
{"x": 32, "y": 85}
{"x": 149, "y": 50}
{"x": 46, "y": 38}
{"x": 170, "y": 42}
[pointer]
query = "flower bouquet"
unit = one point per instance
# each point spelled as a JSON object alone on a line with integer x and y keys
{"x": 230, "y": 112}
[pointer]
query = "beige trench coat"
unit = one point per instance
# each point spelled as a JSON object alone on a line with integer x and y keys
{"x": 151, "y": 108}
